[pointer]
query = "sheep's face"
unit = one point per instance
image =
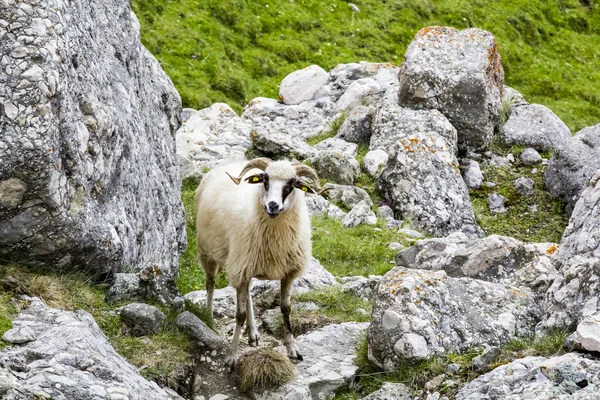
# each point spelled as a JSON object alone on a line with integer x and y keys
{"x": 279, "y": 181}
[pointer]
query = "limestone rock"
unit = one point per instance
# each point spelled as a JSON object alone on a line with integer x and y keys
{"x": 473, "y": 176}
{"x": 319, "y": 206}
{"x": 587, "y": 335}
{"x": 338, "y": 145}
{"x": 336, "y": 167}
{"x": 570, "y": 376}
{"x": 348, "y": 195}
{"x": 125, "y": 287}
{"x": 360, "y": 286}
{"x": 495, "y": 258}
{"x": 421, "y": 180}
{"x": 278, "y": 144}
{"x": 357, "y": 126}
{"x": 530, "y": 156}
{"x": 357, "y": 91}
{"x": 142, "y": 319}
{"x": 419, "y": 313}
{"x": 196, "y": 328}
{"x": 360, "y": 214}
{"x": 374, "y": 161}
{"x": 496, "y": 203}
{"x": 524, "y": 186}
{"x": 302, "y": 85}
{"x": 73, "y": 360}
{"x": 209, "y": 136}
{"x": 571, "y": 167}
{"x": 91, "y": 140}
{"x": 535, "y": 126}
{"x": 458, "y": 73}
{"x": 391, "y": 391}
{"x": 331, "y": 351}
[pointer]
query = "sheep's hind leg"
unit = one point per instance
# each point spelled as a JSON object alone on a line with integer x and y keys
{"x": 253, "y": 336}
{"x": 210, "y": 269}
{"x": 240, "y": 318}
{"x": 288, "y": 336}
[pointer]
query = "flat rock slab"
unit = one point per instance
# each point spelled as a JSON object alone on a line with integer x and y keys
{"x": 73, "y": 360}
{"x": 419, "y": 313}
{"x": 328, "y": 364}
{"x": 458, "y": 73}
{"x": 570, "y": 376}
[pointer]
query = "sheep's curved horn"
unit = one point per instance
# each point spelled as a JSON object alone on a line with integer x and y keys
{"x": 259, "y": 163}
{"x": 308, "y": 172}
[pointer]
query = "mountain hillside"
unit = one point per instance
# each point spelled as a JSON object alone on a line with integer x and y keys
{"x": 234, "y": 50}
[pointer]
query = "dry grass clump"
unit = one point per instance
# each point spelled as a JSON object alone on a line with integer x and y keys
{"x": 263, "y": 369}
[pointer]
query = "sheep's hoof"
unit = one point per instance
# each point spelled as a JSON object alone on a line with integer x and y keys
{"x": 294, "y": 353}
{"x": 253, "y": 339}
{"x": 230, "y": 362}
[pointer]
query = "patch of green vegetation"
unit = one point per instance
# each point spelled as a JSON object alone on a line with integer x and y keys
{"x": 333, "y": 129}
{"x": 416, "y": 374}
{"x": 545, "y": 223}
{"x": 191, "y": 276}
{"x": 234, "y": 50}
{"x": 362, "y": 250}
{"x": 338, "y": 305}
{"x": 7, "y": 309}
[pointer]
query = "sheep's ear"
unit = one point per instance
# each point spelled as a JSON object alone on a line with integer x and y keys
{"x": 234, "y": 179}
{"x": 258, "y": 178}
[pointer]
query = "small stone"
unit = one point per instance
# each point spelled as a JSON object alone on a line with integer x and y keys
{"x": 524, "y": 186}
{"x": 11, "y": 193}
{"x": 374, "y": 161}
{"x": 483, "y": 360}
{"x": 412, "y": 346}
{"x": 19, "y": 335}
{"x": 219, "y": 397}
{"x": 411, "y": 233}
{"x": 473, "y": 176}
{"x": 385, "y": 212}
{"x": 587, "y": 335}
{"x": 396, "y": 246}
{"x": 360, "y": 214}
{"x": 496, "y": 203}
{"x": 510, "y": 158}
{"x": 530, "y": 156}
{"x": 452, "y": 368}
{"x": 434, "y": 383}
{"x": 143, "y": 319}
{"x": 196, "y": 328}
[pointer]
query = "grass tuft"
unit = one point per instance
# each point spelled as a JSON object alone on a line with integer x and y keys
{"x": 333, "y": 129}
{"x": 263, "y": 369}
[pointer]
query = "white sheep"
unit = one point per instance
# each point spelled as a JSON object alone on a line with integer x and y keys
{"x": 255, "y": 230}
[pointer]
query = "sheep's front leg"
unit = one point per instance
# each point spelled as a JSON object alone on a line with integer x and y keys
{"x": 288, "y": 336}
{"x": 253, "y": 336}
{"x": 240, "y": 318}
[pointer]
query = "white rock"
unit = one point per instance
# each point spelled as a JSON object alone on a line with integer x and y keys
{"x": 374, "y": 161}
{"x": 302, "y": 85}
{"x": 360, "y": 214}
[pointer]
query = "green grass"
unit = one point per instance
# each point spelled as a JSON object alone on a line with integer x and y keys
{"x": 338, "y": 305}
{"x": 545, "y": 225}
{"x": 7, "y": 310}
{"x": 416, "y": 374}
{"x": 335, "y": 126}
{"x": 235, "y": 50}
{"x": 354, "y": 251}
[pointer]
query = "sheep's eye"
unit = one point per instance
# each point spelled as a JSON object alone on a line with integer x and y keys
{"x": 256, "y": 178}
{"x": 303, "y": 187}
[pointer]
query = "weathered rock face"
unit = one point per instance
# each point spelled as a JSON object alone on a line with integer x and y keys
{"x": 360, "y": 214}
{"x": 571, "y": 167}
{"x": 570, "y": 376}
{"x": 587, "y": 335}
{"x": 357, "y": 126}
{"x": 331, "y": 351}
{"x": 499, "y": 259}
{"x": 348, "y": 195}
{"x": 421, "y": 180}
{"x": 458, "y": 73}
{"x": 575, "y": 294}
{"x": 209, "y": 136}
{"x": 73, "y": 360}
{"x": 419, "y": 313}
{"x": 337, "y": 167}
{"x": 143, "y": 319}
{"x": 87, "y": 118}
{"x": 536, "y": 126}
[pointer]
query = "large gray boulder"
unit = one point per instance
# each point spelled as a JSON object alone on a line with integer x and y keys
{"x": 571, "y": 167}
{"x": 535, "y": 126}
{"x": 495, "y": 258}
{"x": 458, "y": 73}
{"x": 209, "y": 136}
{"x": 419, "y": 313}
{"x": 421, "y": 180}
{"x": 575, "y": 294}
{"x": 336, "y": 166}
{"x": 569, "y": 376}
{"x": 331, "y": 351}
{"x": 357, "y": 126}
{"x": 73, "y": 360}
{"x": 89, "y": 176}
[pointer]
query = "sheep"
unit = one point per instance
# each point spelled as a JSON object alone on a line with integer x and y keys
{"x": 255, "y": 230}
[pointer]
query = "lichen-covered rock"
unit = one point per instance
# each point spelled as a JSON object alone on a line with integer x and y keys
{"x": 495, "y": 258}
{"x": 458, "y": 73}
{"x": 357, "y": 91}
{"x": 89, "y": 176}
{"x": 569, "y": 376}
{"x": 535, "y": 126}
{"x": 73, "y": 360}
{"x": 360, "y": 286}
{"x": 339, "y": 145}
{"x": 319, "y": 206}
{"x": 575, "y": 294}
{"x": 421, "y": 180}
{"x": 530, "y": 156}
{"x": 125, "y": 287}
{"x": 210, "y": 135}
{"x": 337, "y": 167}
{"x": 143, "y": 319}
{"x": 331, "y": 351}
{"x": 571, "y": 167}
{"x": 587, "y": 335}
{"x": 496, "y": 203}
{"x": 418, "y": 313}
{"x": 524, "y": 186}
{"x": 348, "y": 195}
{"x": 360, "y": 214}
{"x": 279, "y": 144}
{"x": 473, "y": 175}
{"x": 357, "y": 126}
{"x": 374, "y": 161}
{"x": 302, "y": 85}
{"x": 197, "y": 329}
